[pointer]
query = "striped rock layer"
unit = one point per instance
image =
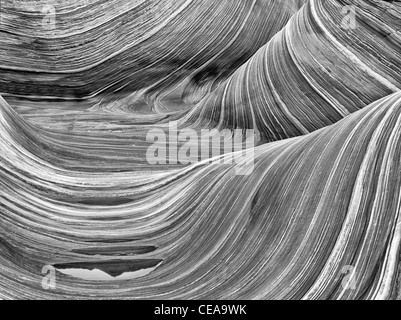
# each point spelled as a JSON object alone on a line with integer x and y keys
{"x": 76, "y": 189}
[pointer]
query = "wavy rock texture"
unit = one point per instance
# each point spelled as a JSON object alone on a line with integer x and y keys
{"x": 128, "y": 46}
{"x": 311, "y": 74}
{"x": 76, "y": 189}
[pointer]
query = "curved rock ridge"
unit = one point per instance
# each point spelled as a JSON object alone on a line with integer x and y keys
{"x": 313, "y": 206}
{"x": 317, "y": 217}
{"x": 95, "y": 141}
{"x": 312, "y": 73}
{"x": 132, "y": 49}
